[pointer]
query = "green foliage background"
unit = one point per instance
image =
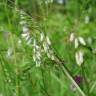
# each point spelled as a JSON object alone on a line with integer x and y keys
{"x": 19, "y": 75}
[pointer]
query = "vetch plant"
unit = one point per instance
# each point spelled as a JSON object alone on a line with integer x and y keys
{"x": 30, "y": 46}
{"x": 36, "y": 53}
{"x": 79, "y": 54}
{"x": 77, "y": 40}
{"x": 25, "y": 30}
{"x": 43, "y": 48}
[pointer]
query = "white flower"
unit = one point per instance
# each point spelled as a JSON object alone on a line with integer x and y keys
{"x": 76, "y": 43}
{"x": 82, "y": 41}
{"x": 25, "y": 29}
{"x": 24, "y": 35}
{"x": 71, "y": 37}
{"x": 79, "y": 57}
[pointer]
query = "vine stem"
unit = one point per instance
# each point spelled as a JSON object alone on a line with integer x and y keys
{"x": 64, "y": 69}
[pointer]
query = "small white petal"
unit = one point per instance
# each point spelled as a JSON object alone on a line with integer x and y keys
{"x": 72, "y": 37}
{"x": 76, "y": 43}
{"x": 79, "y": 57}
{"x": 24, "y": 35}
{"x": 82, "y": 41}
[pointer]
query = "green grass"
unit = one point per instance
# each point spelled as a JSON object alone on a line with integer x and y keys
{"x": 19, "y": 75}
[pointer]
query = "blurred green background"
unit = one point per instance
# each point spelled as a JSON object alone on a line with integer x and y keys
{"x": 58, "y": 19}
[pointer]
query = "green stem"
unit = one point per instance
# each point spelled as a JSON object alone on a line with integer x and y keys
{"x": 85, "y": 79}
{"x": 64, "y": 69}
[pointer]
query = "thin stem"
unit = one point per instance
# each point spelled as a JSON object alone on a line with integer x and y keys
{"x": 84, "y": 77}
{"x": 93, "y": 87}
{"x": 66, "y": 72}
